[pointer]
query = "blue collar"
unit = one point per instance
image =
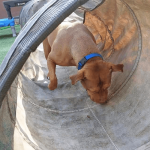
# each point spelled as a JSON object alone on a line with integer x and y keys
{"x": 86, "y": 58}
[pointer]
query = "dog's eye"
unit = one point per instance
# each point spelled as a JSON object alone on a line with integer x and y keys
{"x": 83, "y": 79}
{"x": 100, "y": 83}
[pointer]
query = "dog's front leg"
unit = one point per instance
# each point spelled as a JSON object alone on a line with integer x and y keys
{"x": 53, "y": 79}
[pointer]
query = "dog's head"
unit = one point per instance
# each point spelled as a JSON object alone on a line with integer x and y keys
{"x": 96, "y": 78}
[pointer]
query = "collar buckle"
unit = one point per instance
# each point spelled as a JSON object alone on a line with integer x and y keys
{"x": 82, "y": 62}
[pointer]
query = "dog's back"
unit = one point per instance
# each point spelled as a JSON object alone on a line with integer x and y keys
{"x": 69, "y": 31}
{"x": 69, "y": 40}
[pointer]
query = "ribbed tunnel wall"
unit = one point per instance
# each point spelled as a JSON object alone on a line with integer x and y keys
{"x": 118, "y": 37}
{"x": 35, "y": 118}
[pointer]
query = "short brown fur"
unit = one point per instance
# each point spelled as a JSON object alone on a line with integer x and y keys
{"x": 66, "y": 46}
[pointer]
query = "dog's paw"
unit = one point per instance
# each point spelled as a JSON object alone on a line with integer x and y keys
{"x": 53, "y": 85}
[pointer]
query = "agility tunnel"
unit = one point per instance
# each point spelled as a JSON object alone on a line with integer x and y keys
{"x": 35, "y": 118}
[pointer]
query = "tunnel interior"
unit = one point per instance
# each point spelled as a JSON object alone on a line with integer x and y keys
{"x": 66, "y": 118}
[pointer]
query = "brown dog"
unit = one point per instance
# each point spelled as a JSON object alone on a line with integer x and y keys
{"x": 66, "y": 46}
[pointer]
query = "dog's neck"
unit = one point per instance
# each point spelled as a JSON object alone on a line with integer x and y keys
{"x": 85, "y": 59}
{"x": 80, "y": 52}
{"x": 94, "y": 59}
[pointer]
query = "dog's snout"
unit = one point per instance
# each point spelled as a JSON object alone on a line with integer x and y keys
{"x": 98, "y": 97}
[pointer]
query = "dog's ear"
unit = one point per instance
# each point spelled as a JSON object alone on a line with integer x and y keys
{"x": 118, "y": 67}
{"x": 79, "y": 76}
